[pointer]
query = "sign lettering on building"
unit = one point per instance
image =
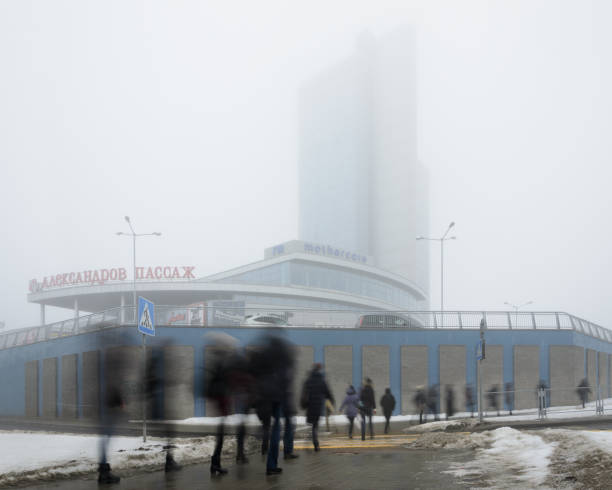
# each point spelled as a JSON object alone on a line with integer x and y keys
{"x": 102, "y": 276}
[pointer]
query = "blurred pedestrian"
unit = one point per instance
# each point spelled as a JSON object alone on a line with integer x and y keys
{"x": 350, "y": 405}
{"x": 493, "y": 397}
{"x": 449, "y": 396}
{"x": 154, "y": 385}
{"x": 469, "y": 399}
{"x": 241, "y": 382}
{"x": 368, "y": 407}
{"x": 387, "y": 402}
{"x": 583, "y": 391}
{"x": 432, "y": 400}
{"x": 272, "y": 367}
{"x": 314, "y": 393}
{"x": 509, "y": 395}
{"x": 420, "y": 401}
{"x": 218, "y": 391}
{"x": 329, "y": 410}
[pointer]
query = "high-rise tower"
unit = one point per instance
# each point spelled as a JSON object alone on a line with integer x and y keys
{"x": 361, "y": 186}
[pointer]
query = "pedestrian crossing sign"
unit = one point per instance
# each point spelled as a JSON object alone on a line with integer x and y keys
{"x": 146, "y": 316}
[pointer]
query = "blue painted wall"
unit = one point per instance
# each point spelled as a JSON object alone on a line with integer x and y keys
{"x": 12, "y": 361}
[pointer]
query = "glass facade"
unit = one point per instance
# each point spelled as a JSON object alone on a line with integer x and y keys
{"x": 316, "y": 276}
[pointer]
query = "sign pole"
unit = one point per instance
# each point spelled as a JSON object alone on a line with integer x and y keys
{"x": 146, "y": 326}
{"x": 144, "y": 388}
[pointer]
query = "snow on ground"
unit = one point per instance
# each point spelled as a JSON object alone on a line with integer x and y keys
{"x": 40, "y": 455}
{"x": 508, "y": 458}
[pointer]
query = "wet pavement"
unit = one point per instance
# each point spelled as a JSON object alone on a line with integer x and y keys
{"x": 381, "y": 463}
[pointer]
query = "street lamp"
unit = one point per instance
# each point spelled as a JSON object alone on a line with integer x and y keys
{"x": 441, "y": 240}
{"x": 133, "y": 234}
{"x": 516, "y": 309}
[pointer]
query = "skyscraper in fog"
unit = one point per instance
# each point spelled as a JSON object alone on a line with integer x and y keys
{"x": 361, "y": 186}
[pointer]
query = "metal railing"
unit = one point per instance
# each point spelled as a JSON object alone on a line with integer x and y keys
{"x": 216, "y": 316}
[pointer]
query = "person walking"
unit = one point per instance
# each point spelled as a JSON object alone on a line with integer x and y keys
{"x": 449, "y": 395}
{"x": 420, "y": 401}
{"x": 509, "y": 396}
{"x": 272, "y": 369}
{"x": 368, "y": 407}
{"x": 314, "y": 394}
{"x": 583, "y": 391}
{"x": 493, "y": 397}
{"x": 469, "y": 399}
{"x": 387, "y": 402}
{"x": 351, "y": 406}
{"x": 217, "y": 390}
{"x": 432, "y": 401}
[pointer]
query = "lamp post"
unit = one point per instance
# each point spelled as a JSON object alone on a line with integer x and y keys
{"x": 442, "y": 239}
{"x": 133, "y": 234}
{"x": 516, "y": 309}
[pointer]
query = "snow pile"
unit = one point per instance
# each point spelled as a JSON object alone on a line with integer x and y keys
{"x": 509, "y": 459}
{"x": 43, "y": 456}
{"x": 454, "y": 425}
{"x": 583, "y": 458}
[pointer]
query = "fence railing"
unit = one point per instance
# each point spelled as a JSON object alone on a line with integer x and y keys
{"x": 217, "y": 316}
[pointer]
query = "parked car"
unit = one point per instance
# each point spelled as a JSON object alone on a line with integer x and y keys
{"x": 265, "y": 320}
{"x": 387, "y": 320}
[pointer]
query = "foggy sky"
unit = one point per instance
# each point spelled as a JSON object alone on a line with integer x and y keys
{"x": 183, "y": 115}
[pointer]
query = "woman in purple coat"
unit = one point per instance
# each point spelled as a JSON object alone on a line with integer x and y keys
{"x": 351, "y": 403}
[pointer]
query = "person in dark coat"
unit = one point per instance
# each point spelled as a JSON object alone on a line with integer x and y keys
{"x": 272, "y": 367}
{"x": 449, "y": 395}
{"x": 368, "y": 407}
{"x": 469, "y": 399}
{"x": 351, "y": 406}
{"x": 493, "y": 397}
{"x": 154, "y": 382}
{"x": 509, "y": 395}
{"x": 420, "y": 402}
{"x": 387, "y": 402}
{"x": 314, "y": 394}
{"x": 218, "y": 391}
{"x": 432, "y": 401}
{"x": 583, "y": 391}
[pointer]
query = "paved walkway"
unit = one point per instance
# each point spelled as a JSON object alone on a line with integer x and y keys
{"x": 380, "y": 463}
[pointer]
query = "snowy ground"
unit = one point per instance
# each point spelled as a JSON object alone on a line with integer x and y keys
{"x": 508, "y": 458}
{"x": 45, "y": 456}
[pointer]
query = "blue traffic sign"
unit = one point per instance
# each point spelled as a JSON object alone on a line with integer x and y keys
{"x": 146, "y": 316}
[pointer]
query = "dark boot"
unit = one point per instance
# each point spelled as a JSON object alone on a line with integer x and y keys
{"x": 105, "y": 475}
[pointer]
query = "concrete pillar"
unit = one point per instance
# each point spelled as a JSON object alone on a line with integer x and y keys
{"x": 591, "y": 373}
{"x": 376, "y": 367}
{"x": 395, "y": 375}
{"x": 452, "y": 362}
{"x": 526, "y": 375}
{"x": 122, "y": 309}
{"x": 49, "y": 385}
{"x": 493, "y": 373}
{"x": 602, "y": 371}
{"x": 31, "y": 389}
{"x": 69, "y": 386}
{"x": 91, "y": 384}
{"x": 339, "y": 369}
{"x": 413, "y": 374}
{"x": 178, "y": 382}
{"x": 42, "y": 314}
{"x": 566, "y": 371}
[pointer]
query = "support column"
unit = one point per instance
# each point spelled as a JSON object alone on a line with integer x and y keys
{"x": 395, "y": 375}
{"x": 122, "y": 320}
{"x": 76, "y": 308}
{"x": 42, "y": 314}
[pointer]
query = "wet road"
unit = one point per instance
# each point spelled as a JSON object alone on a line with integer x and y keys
{"x": 382, "y": 463}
